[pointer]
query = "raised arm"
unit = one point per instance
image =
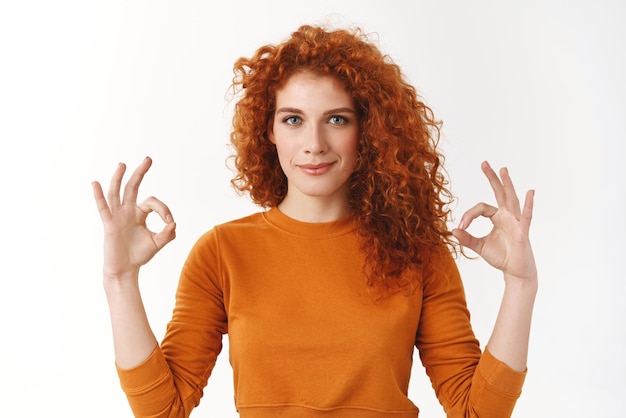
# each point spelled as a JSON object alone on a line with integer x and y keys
{"x": 507, "y": 248}
{"x": 129, "y": 244}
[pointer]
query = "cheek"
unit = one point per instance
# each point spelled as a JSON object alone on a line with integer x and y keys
{"x": 284, "y": 152}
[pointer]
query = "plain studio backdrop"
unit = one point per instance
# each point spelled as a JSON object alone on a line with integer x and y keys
{"x": 536, "y": 86}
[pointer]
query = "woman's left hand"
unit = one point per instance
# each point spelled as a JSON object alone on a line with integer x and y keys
{"x": 507, "y": 247}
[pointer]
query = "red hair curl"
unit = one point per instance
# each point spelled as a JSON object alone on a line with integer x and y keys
{"x": 398, "y": 191}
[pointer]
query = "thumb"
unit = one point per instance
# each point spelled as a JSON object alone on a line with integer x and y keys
{"x": 167, "y": 234}
{"x": 466, "y": 239}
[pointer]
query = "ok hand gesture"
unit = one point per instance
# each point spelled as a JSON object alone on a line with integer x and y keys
{"x": 128, "y": 243}
{"x": 507, "y": 247}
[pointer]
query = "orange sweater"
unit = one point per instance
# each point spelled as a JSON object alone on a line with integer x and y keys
{"x": 306, "y": 339}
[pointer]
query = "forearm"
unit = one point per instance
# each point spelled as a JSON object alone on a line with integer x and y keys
{"x": 133, "y": 338}
{"x": 510, "y": 337}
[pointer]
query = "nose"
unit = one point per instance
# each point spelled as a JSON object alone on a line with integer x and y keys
{"x": 315, "y": 140}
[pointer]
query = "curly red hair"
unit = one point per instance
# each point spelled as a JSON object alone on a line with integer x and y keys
{"x": 398, "y": 191}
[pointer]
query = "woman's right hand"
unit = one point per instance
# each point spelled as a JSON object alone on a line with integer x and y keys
{"x": 128, "y": 243}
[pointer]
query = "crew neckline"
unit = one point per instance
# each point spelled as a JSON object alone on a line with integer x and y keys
{"x": 320, "y": 230}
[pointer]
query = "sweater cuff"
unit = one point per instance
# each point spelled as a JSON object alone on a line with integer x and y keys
{"x": 498, "y": 375}
{"x": 151, "y": 370}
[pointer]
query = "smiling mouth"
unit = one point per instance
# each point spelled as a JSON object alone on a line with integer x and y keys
{"x": 315, "y": 169}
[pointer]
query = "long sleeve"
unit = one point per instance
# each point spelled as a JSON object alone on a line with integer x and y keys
{"x": 468, "y": 383}
{"x": 170, "y": 382}
{"x": 306, "y": 337}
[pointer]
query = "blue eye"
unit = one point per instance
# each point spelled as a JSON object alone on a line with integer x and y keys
{"x": 338, "y": 120}
{"x": 292, "y": 120}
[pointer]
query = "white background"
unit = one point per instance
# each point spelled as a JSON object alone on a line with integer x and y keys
{"x": 537, "y": 86}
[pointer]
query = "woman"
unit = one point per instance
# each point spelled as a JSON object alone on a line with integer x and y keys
{"x": 326, "y": 293}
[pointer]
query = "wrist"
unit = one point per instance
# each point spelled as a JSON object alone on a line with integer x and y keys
{"x": 525, "y": 288}
{"x": 120, "y": 282}
{"x": 529, "y": 282}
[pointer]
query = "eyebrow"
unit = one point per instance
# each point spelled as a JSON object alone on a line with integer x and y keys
{"x": 328, "y": 112}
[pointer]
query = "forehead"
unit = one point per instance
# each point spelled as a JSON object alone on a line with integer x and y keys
{"x": 304, "y": 87}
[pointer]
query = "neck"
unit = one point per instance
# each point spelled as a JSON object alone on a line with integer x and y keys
{"x": 314, "y": 209}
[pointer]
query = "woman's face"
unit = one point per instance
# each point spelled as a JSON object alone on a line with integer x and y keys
{"x": 315, "y": 130}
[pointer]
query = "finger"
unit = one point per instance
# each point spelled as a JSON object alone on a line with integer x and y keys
{"x": 468, "y": 240}
{"x": 167, "y": 234}
{"x": 101, "y": 202}
{"x": 481, "y": 209}
{"x": 132, "y": 187}
{"x": 527, "y": 212}
{"x": 496, "y": 184}
{"x": 114, "y": 187}
{"x": 510, "y": 193}
{"x": 152, "y": 204}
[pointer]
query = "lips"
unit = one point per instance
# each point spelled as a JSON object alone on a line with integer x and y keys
{"x": 315, "y": 169}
